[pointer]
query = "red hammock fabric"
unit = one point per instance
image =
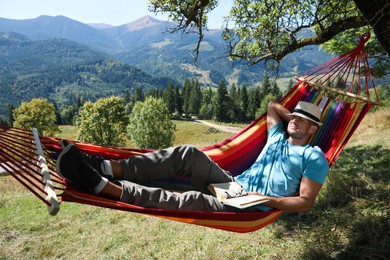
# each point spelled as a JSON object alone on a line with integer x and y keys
{"x": 324, "y": 86}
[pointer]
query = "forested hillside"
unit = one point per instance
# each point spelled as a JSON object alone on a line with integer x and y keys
{"x": 147, "y": 43}
{"x": 67, "y": 61}
{"x": 62, "y": 71}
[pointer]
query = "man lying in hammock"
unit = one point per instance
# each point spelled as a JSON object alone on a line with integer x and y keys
{"x": 288, "y": 171}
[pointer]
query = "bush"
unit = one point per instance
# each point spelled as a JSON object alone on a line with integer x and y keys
{"x": 150, "y": 126}
{"x": 39, "y": 114}
{"x": 103, "y": 122}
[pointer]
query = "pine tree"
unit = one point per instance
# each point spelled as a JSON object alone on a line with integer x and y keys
{"x": 127, "y": 97}
{"x": 275, "y": 91}
{"x": 159, "y": 93}
{"x": 185, "y": 94}
{"x": 255, "y": 97}
{"x": 128, "y": 100}
{"x": 220, "y": 105}
{"x": 11, "y": 118}
{"x": 139, "y": 95}
{"x": 206, "y": 109}
{"x": 244, "y": 103}
{"x": 58, "y": 115}
{"x": 235, "y": 108}
{"x": 265, "y": 86}
{"x": 179, "y": 101}
{"x": 195, "y": 98}
{"x": 169, "y": 98}
{"x": 234, "y": 93}
{"x": 3, "y": 121}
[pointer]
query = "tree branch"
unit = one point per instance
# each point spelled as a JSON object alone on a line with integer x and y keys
{"x": 192, "y": 19}
{"x": 325, "y": 35}
{"x": 378, "y": 14}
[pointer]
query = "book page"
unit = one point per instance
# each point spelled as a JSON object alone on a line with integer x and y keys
{"x": 226, "y": 190}
{"x": 246, "y": 201}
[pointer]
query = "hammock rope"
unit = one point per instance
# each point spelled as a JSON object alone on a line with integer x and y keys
{"x": 341, "y": 88}
{"x": 20, "y": 158}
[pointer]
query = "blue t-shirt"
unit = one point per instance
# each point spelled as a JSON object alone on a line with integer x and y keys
{"x": 279, "y": 168}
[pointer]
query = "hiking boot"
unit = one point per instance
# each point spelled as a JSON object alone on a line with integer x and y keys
{"x": 94, "y": 160}
{"x": 73, "y": 166}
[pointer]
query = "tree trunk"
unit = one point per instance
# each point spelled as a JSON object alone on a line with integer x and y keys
{"x": 377, "y": 13}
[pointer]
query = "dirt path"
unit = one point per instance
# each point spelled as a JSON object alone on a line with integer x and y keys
{"x": 224, "y": 128}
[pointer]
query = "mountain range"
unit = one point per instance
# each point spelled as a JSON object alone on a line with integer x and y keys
{"x": 147, "y": 44}
{"x": 59, "y": 58}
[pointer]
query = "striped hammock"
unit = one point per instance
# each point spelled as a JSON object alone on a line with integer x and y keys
{"x": 343, "y": 88}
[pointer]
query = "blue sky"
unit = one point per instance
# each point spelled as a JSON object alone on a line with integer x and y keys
{"x": 114, "y": 12}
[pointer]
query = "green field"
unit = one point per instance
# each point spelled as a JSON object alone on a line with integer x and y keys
{"x": 349, "y": 221}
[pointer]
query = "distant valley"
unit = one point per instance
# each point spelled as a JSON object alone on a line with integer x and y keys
{"x": 61, "y": 59}
{"x": 147, "y": 44}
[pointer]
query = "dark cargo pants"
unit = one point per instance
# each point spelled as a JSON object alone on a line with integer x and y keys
{"x": 185, "y": 160}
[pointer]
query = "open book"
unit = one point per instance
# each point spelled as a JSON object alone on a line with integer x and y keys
{"x": 232, "y": 194}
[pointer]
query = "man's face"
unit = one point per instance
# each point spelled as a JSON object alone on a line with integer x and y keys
{"x": 300, "y": 128}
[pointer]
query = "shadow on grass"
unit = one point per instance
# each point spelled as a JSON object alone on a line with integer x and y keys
{"x": 351, "y": 219}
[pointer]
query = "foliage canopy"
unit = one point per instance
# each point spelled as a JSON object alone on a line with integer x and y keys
{"x": 269, "y": 30}
{"x": 103, "y": 122}
{"x": 39, "y": 114}
{"x": 150, "y": 126}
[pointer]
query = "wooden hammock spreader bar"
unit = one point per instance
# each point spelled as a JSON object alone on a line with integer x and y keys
{"x": 48, "y": 185}
{"x": 335, "y": 90}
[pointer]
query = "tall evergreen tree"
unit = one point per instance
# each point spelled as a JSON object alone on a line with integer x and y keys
{"x": 139, "y": 95}
{"x": 11, "y": 118}
{"x": 221, "y": 103}
{"x": 255, "y": 97}
{"x": 195, "y": 98}
{"x": 58, "y": 115}
{"x": 186, "y": 92}
{"x": 266, "y": 85}
{"x": 234, "y": 106}
{"x": 244, "y": 103}
{"x": 206, "y": 109}
{"x": 128, "y": 100}
{"x": 3, "y": 121}
{"x": 126, "y": 97}
{"x": 159, "y": 93}
{"x": 233, "y": 93}
{"x": 179, "y": 101}
{"x": 169, "y": 98}
{"x": 275, "y": 91}
{"x": 79, "y": 100}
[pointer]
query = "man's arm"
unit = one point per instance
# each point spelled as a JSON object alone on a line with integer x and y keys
{"x": 301, "y": 203}
{"x": 276, "y": 113}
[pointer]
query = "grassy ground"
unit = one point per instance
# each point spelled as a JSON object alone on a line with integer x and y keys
{"x": 187, "y": 133}
{"x": 349, "y": 221}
